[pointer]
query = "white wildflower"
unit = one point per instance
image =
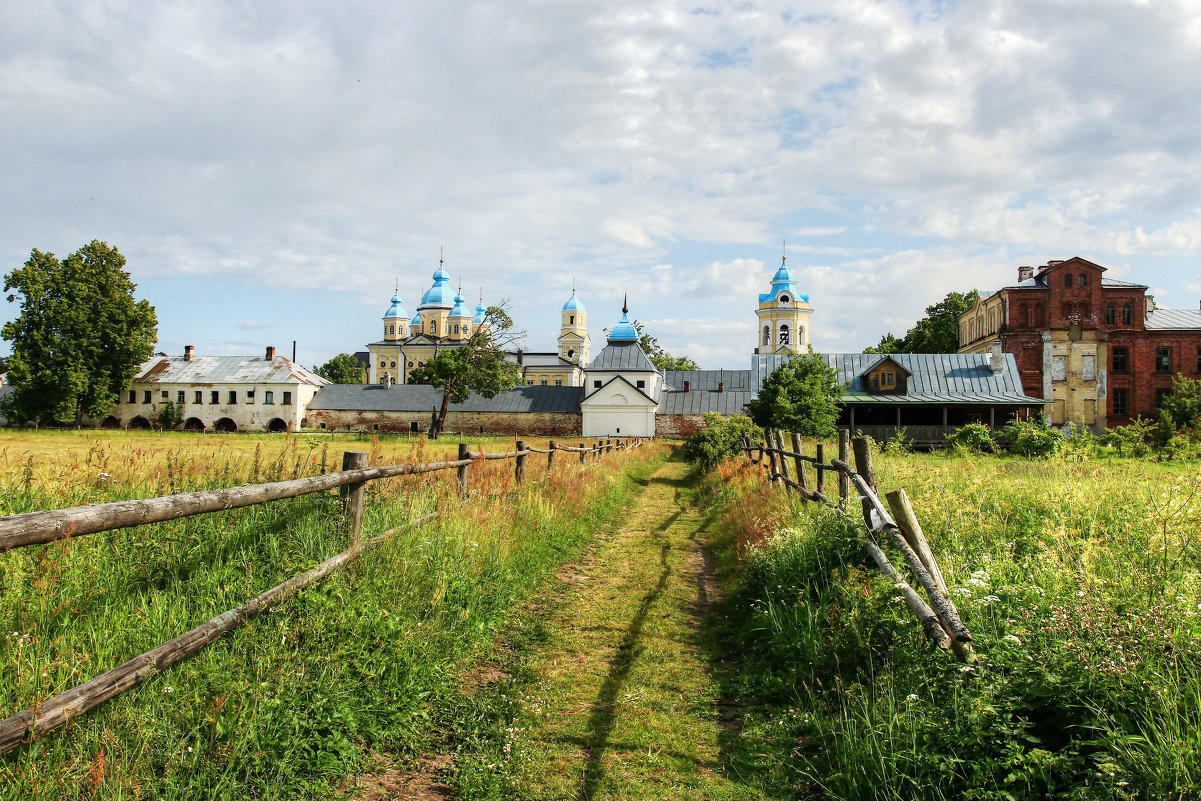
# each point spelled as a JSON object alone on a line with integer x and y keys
{"x": 1011, "y": 638}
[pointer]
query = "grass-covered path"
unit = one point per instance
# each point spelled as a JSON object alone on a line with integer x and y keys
{"x": 621, "y": 699}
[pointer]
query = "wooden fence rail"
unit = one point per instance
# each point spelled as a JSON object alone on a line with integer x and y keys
{"x": 42, "y": 527}
{"x": 936, "y": 612}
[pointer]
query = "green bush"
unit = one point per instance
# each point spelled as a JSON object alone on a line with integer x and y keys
{"x": 721, "y": 437}
{"x": 1030, "y": 438}
{"x": 169, "y": 415}
{"x": 971, "y": 438}
{"x": 1132, "y": 439}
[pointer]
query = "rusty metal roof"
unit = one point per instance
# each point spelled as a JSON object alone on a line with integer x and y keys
{"x": 225, "y": 370}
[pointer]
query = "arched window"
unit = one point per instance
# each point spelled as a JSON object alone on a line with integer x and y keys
{"x": 1067, "y": 279}
{"x": 572, "y": 318}
{"x": 783, "y": 300}
{"x": 767, "y": 335}
{"x": 1127, "y": 314}
{"x": 783, "y": 335}
{"x": 391, "y": 329}
{"x": 433, "y": 326}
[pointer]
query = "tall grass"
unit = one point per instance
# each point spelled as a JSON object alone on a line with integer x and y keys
{"x": 304, "y": 695}
{"x": 1081, "y": 583}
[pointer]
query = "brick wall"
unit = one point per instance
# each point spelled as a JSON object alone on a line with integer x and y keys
{"x": 677, "y": 426}
{"x": 1141, "y": 381}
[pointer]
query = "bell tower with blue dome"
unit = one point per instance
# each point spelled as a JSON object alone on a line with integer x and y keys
{"x": 574, "y": 343}
{"x": 783, "y": 316}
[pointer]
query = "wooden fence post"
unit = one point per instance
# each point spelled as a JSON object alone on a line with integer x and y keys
{"x": 820, "y": 453}
{"x": 863, "y": 466}
{"x": 800, "y": 466}
{"x": 583, "y": 453}
{"x": 464, "y": 453}
{"x": 520, "y": 461}
{"x": 784, "y": 472}
{"x": 773, "y": 471}
{"x": 844, "y": 481}
{"x": 550, "y": 457}
{"x": 353, "y": 494}
{"x": 907, "y": 521}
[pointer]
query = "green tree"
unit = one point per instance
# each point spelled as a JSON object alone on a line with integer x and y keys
{"x": 342, "y": 369}
{"x": 934, "y": 333}
{"x": 479, "y": 365}
{"x": 804, "y": 395}
{"x": 80, "y": 336}
{"x": 1183, "y": 405}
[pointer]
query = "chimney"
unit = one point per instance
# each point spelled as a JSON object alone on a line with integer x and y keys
{"x": 189, "y": 352}
{"x": 687, "y": 385}
{"x": 1025, "y": 273}
{"x": 997, "y": 359}
{"x": 270, "y": 353}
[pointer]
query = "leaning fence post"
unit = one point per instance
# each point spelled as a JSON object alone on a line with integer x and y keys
{"x": 800, "y": 466}
{"x": 844, "y": 481}
{"x": 907, "y": 521}
{"x": 520, "y": 460}
{"x": 784, "y": 472}
{"x": 774, "y": 473}
{"x": 353, "y": 494}
{"x": 550, "y": 457}
{"x": 464, "y": 454}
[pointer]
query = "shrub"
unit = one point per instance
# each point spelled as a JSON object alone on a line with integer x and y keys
{"x": 971, "y": 438}
{"x": 169, "y": 415}
{"x": 898, "y": 443}
{"x": 1131, "y": 439}
{"x": 721, "y": 436}
{"x": 1030, "y": 438}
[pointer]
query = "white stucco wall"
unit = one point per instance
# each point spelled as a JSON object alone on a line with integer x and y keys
{"x": 246, "y": 415}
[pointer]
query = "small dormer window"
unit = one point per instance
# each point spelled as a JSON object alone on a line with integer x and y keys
{"x": 784, "y": 300}
{"x": 888, "y": 380}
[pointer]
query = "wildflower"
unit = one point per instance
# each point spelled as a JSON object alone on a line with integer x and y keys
{"x": 964, "y": 592}
{"x": 989, "y": 599}
{"x": 912, "y": 698}
{"x": 1011, "y": 638}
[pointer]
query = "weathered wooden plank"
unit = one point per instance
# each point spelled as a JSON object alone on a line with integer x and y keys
{"x": 34, "y": 528}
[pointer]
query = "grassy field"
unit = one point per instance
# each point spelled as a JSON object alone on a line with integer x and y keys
{"x": 360, "y": 672}
{"x": 1081, "y": 581}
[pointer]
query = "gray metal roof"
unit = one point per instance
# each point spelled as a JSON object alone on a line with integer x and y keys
{"x": 422, "y": 398}
{"x": 704, "y": 401}
{"x": 1173, "y": 319}
{"x": 708, "y": 379}
{"x": 627, "y": 357}
{"x": 965, "y": 378}
{"x": 545, "y": 360}
{"x": 225, "y": 370}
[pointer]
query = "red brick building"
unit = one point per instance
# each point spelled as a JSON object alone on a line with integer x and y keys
{"x": 1095, "y": 348}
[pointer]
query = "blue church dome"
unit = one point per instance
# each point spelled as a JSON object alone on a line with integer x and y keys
{"x": 397, "y": 308}
{"x": 480, "y": 313}
{"x": 573, "y": 303}
{"x": 415, "y": 323}
{"x": 782, "y": 282}
{"x": 439, "y": 294}
{"x": 624, "y": 331}
{"x": 460, "y": 309}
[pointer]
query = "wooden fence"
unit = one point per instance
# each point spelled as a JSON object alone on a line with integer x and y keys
{"x": 936, "y": 613}
{"x": 32, "y": 528}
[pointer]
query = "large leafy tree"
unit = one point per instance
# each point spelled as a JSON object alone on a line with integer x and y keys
{"x": 804, "y": 395}
{"x": 934, "y": 333}
{"x": 342, "y": 369}
{"x": 479, "y": 365}
{"x": 80, "y": 336}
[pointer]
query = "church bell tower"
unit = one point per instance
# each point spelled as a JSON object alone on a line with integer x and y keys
{"x": 783, "y": 316}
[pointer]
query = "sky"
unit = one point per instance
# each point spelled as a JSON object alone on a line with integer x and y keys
{"x": 273, "y": 170}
